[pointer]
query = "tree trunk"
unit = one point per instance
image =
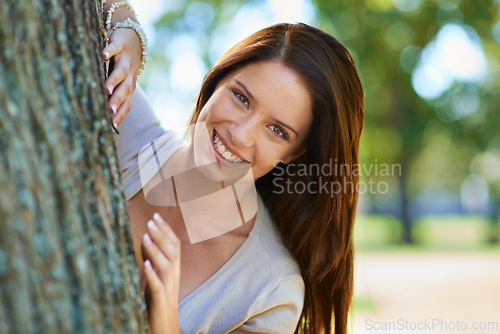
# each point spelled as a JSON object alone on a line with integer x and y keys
{"x": 66, "y": 261}
{"x": 406, "y": 219}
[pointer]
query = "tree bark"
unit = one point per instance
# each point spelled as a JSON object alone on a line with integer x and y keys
{"x": 66, "y": 260}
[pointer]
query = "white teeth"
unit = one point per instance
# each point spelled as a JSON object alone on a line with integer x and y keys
{"x": 221, "y": 149}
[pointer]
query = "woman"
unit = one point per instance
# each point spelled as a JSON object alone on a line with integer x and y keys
{"x": 286, "y": 97}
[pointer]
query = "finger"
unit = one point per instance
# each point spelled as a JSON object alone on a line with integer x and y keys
{"x": 117, "y": 76}
{"x": 159, "y": 261}
{"x": 152, "y": 279}
{"x": 172, "y": 241}
{"x": 171, "y": 238}
{"x": 154, "y": 293}
{"x": 157, "y": 301}
{"x": 120, "y": 95}
{"x": 112, "y": 49}
{"x": 123, "y": 110}
{"x": 163, "y": 242}
{"x": 166, "y": 228}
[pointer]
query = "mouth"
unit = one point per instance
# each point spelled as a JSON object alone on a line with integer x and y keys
{"x": 223, "y": 152}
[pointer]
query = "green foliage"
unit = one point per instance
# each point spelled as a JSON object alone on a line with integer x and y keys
{"x": 386, "y": 38}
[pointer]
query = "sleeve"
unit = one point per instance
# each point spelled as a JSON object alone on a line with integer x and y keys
{"x": 278, "y": 311}
{"x": 139, "y": 128}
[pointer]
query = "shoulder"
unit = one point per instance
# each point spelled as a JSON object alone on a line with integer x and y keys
{"x": 143, "y": 145}
{"x": 277, "y": 311}
{"x": 271, "y": 245}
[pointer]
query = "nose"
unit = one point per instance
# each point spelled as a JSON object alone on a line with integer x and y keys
{"x": 244, "y": 131}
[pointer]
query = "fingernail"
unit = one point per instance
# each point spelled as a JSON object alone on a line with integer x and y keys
{"x": 106, "y": 54}
{"x": 147, "y": 264}
{"x": 147, "y": 238}
{"x": 115, "y": 125}
{"x": 110, "y": 89}
{"x": 114, "y": 128}
{"x": 113, "y": 108}
{"x": 157, "y": 217}
{"x": 152, "y": 226}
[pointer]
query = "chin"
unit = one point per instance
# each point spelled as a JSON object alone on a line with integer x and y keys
{"x": 211, "y": 163}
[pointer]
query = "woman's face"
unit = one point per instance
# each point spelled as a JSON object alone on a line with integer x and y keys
{"x": 259, "y": 115}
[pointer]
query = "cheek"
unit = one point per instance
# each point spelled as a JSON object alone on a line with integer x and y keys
{"x": 270, "y": 155}
{"x": 206, "y": 111}
{"x": 217, "y": 109}
{"x": 202, "y": 116}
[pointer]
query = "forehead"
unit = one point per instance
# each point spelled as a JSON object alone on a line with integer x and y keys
{"x": 278, "y": 91}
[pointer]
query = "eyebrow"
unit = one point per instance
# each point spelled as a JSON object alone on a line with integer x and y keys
{"x": 245, "y": 89}
{"x": 286, "y": 126}
{"x": 274, "y": 119}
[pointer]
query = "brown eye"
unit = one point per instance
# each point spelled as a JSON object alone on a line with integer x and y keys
{"x": 278, "y": 131}
{"x": 242, "y": 98}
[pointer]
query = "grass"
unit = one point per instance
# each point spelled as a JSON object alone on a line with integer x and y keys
{"x": 449, "y": 230}
{"x": 383, "y": 233}
{"x": 377, "y": 229}
{"x": 363, "y": 304}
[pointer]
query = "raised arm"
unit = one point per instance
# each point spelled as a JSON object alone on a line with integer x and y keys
{"x": 127, "y": 49}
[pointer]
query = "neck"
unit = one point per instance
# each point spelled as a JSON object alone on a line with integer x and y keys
{"x": 211, "y": 206}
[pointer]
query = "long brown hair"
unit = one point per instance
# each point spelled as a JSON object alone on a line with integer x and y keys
{"x": 316, "y": 227}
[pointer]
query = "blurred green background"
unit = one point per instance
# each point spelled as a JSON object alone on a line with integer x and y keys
{"x": 431, "y": 145}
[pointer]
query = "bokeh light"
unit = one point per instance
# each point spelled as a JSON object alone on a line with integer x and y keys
{"x": 455, "y": 55}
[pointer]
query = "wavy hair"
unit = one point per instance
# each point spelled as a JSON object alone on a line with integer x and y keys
{"x": 315, "y": 227}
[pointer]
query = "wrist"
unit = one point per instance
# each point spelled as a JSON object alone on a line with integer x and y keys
{"x": 128, "y": 23}
{"x": 120, "y": 14}
{"x": 119, "y": 11}
{"x": 116, "y": 13}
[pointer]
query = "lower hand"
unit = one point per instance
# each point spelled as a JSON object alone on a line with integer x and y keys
{"x": 162, "y": 271}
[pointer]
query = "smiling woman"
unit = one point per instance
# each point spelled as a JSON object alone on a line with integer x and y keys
{"x": 288, "y": 93}
{"x": 261, "y": 113}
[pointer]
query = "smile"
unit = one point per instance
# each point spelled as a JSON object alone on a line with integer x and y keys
{"x": 221, "y": 149}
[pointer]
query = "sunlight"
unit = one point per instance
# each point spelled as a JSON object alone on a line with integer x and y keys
{"x": 293, "y": 11}
{"x": 455, "y": 55}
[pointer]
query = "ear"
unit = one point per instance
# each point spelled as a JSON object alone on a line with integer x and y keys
{"x": 294, "y": 156}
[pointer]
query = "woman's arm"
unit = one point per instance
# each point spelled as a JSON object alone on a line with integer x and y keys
{"x": 162, "y": 270}
{"x": 126, "y": 50}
